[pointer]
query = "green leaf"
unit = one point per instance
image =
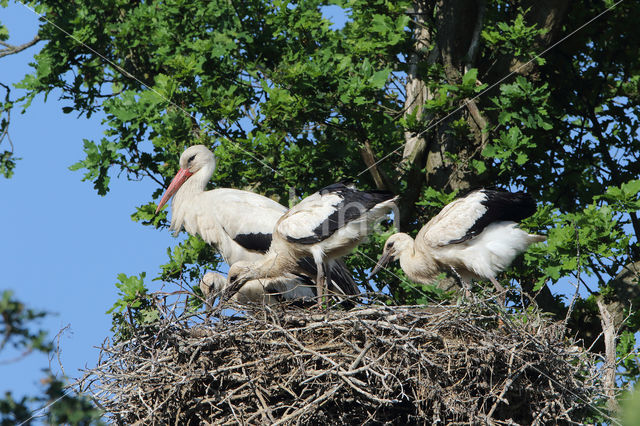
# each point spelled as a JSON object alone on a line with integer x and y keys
{"x": 469, "y": 78}
{"x": 379, "y": 78}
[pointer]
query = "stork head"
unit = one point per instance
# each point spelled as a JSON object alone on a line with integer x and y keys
{"x": 238, "y": 275}
{"x": 395, "y": 245}
{"x": 212, "y": 284}
{"x": 192, "y": 160}
{"x": 196, "y": 157}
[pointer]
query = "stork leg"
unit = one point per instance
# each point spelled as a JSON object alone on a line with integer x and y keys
{"x": 320, "y": 277}
{"x": 327, "y": 276}
{"x": 502, "y": 293}
{"x": 466, "y": 285}
{"x": 468, "y": 294}
{"x": 320, "y": 282}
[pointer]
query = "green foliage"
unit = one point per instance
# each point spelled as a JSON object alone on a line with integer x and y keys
{"x": 7, "y": 159}
{"x": 449, "y": 96}
{"x": 433, "y": 198}
{"x": 631, "y": 409}
{"x": 623, "y": 198}
{"x": 578, "y": 242}
{"x": 521, "y": 107}
{"x": 99, "y": 159}
{"x": 189, "y": 259}
{"x": 13, "y": 411}
{"x": 17, "y": 330}
{"x": 7, "y": 163}
{"x": 629, "y": 358}
{"x": 515, "y": 39}
{"x": 135, "y": 307}
{"x": 16, "y": 322}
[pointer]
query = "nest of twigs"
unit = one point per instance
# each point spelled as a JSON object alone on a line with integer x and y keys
{"x": 369, "y": 365}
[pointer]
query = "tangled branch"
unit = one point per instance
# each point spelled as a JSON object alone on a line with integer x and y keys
{"x": 405, "y": 364}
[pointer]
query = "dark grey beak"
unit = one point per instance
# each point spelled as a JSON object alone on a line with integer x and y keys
{"x": 384, "y": 259}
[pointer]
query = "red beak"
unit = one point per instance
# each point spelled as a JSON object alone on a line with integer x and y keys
{"x": 176, "y": 183}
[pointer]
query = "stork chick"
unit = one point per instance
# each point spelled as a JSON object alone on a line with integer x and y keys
{"x": 477, "y": 236}
{"x": 237, "y": 223}
{"x": 267, "y": 291}
{"x": 326, "y": 225}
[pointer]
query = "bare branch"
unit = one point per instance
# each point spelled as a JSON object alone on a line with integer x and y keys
{"x": 11, "y": 49}
{"x": 374, "y": 364}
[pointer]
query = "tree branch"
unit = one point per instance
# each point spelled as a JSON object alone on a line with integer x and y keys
{"x": 379, "y": 177}
{"x": 11, "y": 49}
{"x": 470, "y": 57}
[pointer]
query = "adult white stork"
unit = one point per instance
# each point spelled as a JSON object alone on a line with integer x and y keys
{"x": 326, "y": 225}
{"x": 266, "y": 291}
{"x": 477, "y": 236}
{"x": 238, "y": 223}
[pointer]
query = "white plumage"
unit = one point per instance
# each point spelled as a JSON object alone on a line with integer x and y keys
{"x": 238, "y": 223}
{"x": 476, "y": 236}
{"x": 266, "y": 291}
{"x": 326, "y": 225}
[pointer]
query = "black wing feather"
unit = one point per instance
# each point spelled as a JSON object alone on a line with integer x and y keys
{"x": 341, "y": 280}
{"x": 354, "y": 204}
{"x": 502, "y": 206}
{"x": 255, "y": 241}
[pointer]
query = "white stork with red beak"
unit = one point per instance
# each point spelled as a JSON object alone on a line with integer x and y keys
{"x": 238, "y": 223}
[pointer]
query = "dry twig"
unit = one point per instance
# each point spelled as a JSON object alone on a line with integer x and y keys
{"x": 373, "y": 364}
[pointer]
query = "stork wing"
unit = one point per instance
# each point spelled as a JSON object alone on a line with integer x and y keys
{"x": 254, "y": 241}
{"x": 312, "y": 220}
{"x": 245, "y": 217}
{"x": 321, "y": 214}
{"x": 467, "y": 217}
{"x": 341, "y": 280}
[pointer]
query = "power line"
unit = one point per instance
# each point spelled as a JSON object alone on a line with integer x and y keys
{"x": 466, "y": 102}
{"x": 127, "y": 74}
{"x": 35, "y": 414}
{"x": 133, "y": 77}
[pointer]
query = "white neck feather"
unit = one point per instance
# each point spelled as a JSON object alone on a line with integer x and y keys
{"x": 420, "y": 267}
{"x": 274, "y": 265}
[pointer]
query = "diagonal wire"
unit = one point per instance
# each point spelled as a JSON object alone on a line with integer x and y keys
{"x": 206, "y": 126}
{"x": 36, "y": 412}
{"x": 404, "y": 280}
{"x": 133, "y": 77}
{"x": 468, "y": 101}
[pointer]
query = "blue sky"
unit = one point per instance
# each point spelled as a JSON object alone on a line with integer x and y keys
{"x": 62, "y": 244}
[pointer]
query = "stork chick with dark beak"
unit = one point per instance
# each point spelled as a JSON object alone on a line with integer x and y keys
{"x": 325, "y": 226}
{"x": 476, "y": 236}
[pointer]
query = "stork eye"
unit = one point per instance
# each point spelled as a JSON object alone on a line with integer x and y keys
{"x": 389, "y": 245}
{"x": 191, "y": 158}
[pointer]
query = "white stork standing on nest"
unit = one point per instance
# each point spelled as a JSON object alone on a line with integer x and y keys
{"x": 266, "y": 291}
{"x": 477, "y": 236}
{"x": 326, "y": 225}
{"x": 238, "y": 223}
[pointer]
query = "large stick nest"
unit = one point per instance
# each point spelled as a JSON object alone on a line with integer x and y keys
{"x": 369, "y": 365}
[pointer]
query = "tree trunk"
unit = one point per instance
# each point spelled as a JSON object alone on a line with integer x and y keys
{"x": 416, "y": 96}
{"x": 609, "y": 367}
